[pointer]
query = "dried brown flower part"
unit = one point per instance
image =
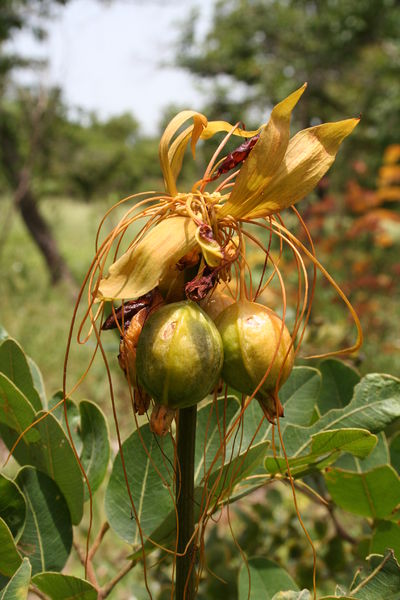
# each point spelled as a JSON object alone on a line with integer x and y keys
{"x": 161, "y": 419}
{"x": 271, "y": 407}
{"x": 141, "y": 400}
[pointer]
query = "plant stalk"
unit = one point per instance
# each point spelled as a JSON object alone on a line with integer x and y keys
{"x": 185, "y": 565}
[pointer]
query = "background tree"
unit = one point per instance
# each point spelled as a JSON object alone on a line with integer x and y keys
{"x": 24, "y": 122}
{"x": 349, "y": 53}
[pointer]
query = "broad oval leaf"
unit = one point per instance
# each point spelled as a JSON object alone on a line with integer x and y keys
{"x": 16, "y": 411}
{"x": 299, "y": 395}
{"x": 38, "y": 382}
{"x": 326, "y": 447}
{"x": 291, "y": 595}
{"x": 10, "y": 558}
{"x": 89, "y": 432}
{"x": 152, "y": 494}
{"x": 47, "y": 536}
{"x": 18, "y": 586}
{"x": 12, "y": 506}
{"x": 51, "y": 453}
{"x": 338, "y": 381}
{"x": 14, "y": 364}
{"x": 95, "y": 452}
{"x": 386, "y": 535}
{"x": 64, "y": 587}
{"x": 395, "y": 452}
{"x": 379, "y": 456}
{"x": 371, "y": 494}
{"x": 382, "y": 581}
{"x": 375, "y": 404}
{"x": 266, "y": 579}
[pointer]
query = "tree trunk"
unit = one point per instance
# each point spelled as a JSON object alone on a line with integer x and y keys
{"x": 43, "y": 238}
{"x": 19, "y": 180}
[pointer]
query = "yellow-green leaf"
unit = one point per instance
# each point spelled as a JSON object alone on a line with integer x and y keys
{"x": 140, "y": 269}
{"x": 265, "y": 158}
{"x": 309, "y": 155}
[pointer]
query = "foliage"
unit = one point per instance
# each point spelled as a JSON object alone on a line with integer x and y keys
{"x": 340, "y": 460}
{"x": 347, "y": 52}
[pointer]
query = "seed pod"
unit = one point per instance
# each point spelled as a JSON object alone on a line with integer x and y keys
{"x": 255, "y": 340}
{"x": 179, "y": 355}
{"x": 214, "y": 305}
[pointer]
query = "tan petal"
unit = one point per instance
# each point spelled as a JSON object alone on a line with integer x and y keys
{"x": 309, "y": 155}
{"x": 266, "y": 156}
{"x": 171, "y": 153}
{"x": 140, "y": 269}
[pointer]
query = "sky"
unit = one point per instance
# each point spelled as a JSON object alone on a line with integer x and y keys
{"x": 117, "y": 56}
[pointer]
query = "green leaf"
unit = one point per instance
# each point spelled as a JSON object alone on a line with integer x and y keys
{"x": 10, "y": 559}
{"x": 338, "y": 381}
{"x": 299, "y": 395}
{"x": 382, "y": 581}
{"x": 379, "y": 456}
{"x": 386, "y": 535}
{"x": 64, "y": 587}
{"x": 3, "y": 333}
{"x": 47, "y": 536}
{"x": 16, "y": 411}
{"x": 18, "y": 586}
{"x": 264, "y": 579}
{"x": 89, "y": 431}
{"x": 149, "y": 467}
{"x": 326, "y": 446}
{"x": 37, "y": 381}
{"x": 212, "y": 418}
{"x": 372, "y": 494}
{"x": 95, "y": 452}
{"x": 303, "y": 595}
{"x": 375, "y": 404}
{"x": 73, "y": 417}
{"x": 12, "y": 506}
{"x": 395, "y": 452}
{"x": 52, "y": 454}
{"x": 14, "y": 364}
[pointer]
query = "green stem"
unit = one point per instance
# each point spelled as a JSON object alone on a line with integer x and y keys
{"x": 185, "y": 565}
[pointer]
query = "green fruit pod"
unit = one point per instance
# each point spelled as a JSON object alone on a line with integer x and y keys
{"x": 254, "y": 340}
{"x": 179, "y": 355}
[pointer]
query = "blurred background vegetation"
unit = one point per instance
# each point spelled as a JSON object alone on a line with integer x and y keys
{"x": 60, "y": 170}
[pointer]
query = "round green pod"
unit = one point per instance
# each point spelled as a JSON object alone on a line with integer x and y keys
{"x": 179, "y": 355}
{"x": 250, "y": 335}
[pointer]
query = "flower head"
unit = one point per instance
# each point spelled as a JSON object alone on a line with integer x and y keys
{"x": 275, "y": 172}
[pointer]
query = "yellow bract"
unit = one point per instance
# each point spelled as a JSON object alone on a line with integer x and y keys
{"x": 309, "y": 155}
{"x": 140, "y": 269}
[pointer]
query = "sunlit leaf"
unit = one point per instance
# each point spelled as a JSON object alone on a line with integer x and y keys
{"x": 386, "y": 534}
{"x": 338, "y": 381}
{"x": 18, "y": 586}
{"x": 375, "y": 404}
{"x": 47, "y": 536}
{"x": 10, "y": 558}
{"x": 64, "y": 587}
{"x": 263, "y": 579}
{"x": 372, "y": 494}
{"x": 325, "y": 449}
{"x": 14, "y": 364}
{"x": 51, "y": 453}
{"x": 382, "y": 580}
